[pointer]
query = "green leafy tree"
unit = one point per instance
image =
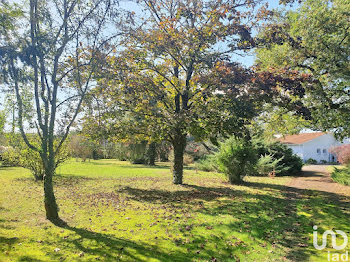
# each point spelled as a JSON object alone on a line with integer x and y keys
{"x": 278, "y": 120}
{"x": 320, "y": 49}
{"x": 53, "y": 58}
{"x": 2, "y": 122}
{"x": 80, "y": 147}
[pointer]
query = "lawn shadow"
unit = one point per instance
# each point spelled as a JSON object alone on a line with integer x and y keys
{"x": 144, "y": 166}
{"x": 310, "y": 174}
{"x": 264, "y": 216}
{"x": 2, "y": 222}
{"x": 164, "y": 196}
{"x": 8, "y": 167}
{"x": 7, "y": 243}
{"x": 126, "y": 164}
{"x": 58, "y": 179}
{"x": 28, "y": 259}
{"x": 68, "y": 180}
{"x": 157, "y": 166}
{"x": 111, "y": 248}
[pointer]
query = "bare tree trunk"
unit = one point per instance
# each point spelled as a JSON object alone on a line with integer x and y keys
{"x": 51, "y": 206}
{"x": 179, "y": 145}
{"x": 151, "y": 154}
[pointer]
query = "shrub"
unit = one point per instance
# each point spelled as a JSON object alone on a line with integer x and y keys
{"x": 208, "y": 164}
{"x": 3, "y": 149}
{"x": 188, "y": 159}
{"x": 288, "y": 163}
{"x": 236, "y": 158}
{"x": 139, "y": 152}
{"x": 26, "y": 158}
{"x": 142, "y": 153}
{"x": 342, "y": 175}
{"x": 5, "y": 160}
{"x": 22, "y": 156}
{"x": 342, "y": 153}
{"x": 311, "y": 161}
{"x": 268, "y": 165}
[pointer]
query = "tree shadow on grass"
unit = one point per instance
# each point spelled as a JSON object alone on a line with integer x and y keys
{"x": 4, "y": 240}
{"x": 270, "y": 215}
{"x": 6, "y": 243}
{"x": 68, "y": 180}
{"x": 164, "y": 196}
{"x": 3, "y": 224}
{"x": 110, "y": 248}
{"x": 28, "y": 259}
{"x": 157, "y": 166}
{"x": 136, "y": 166}
{"x": 58, "y": 179}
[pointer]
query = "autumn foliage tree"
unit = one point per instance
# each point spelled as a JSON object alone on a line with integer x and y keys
{"x": 342, "y": 153}
{"x": 165, "y": 73}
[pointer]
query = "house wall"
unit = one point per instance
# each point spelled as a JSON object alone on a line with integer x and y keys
{"x": 310, "y": 149}
{"x": 298, "y": 150}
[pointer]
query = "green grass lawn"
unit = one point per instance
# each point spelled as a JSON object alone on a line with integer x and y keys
{"x": 121, "y": 212}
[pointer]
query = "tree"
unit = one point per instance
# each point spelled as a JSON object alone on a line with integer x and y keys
{"x": 18, "y": 154}
{"x": 342, "y": 153}
{"x": 2, "y": 126}
{"x": 80, "y": 147}
{"x": 163, "y": 75}
{"x": 151, "y": 154}
{"x": 279, "y": 120}
{"x": 320, "y": 49}
{"x": 2, "y": 122}
{"x": 140, "y": 147}
{"x": 53, "y": 61}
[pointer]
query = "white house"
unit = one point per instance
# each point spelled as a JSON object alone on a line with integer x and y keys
{"x": 313, "y": 145}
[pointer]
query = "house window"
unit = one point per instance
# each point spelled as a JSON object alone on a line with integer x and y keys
{"x": 319, "y": 151}
{"x": 324, "y": 151}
